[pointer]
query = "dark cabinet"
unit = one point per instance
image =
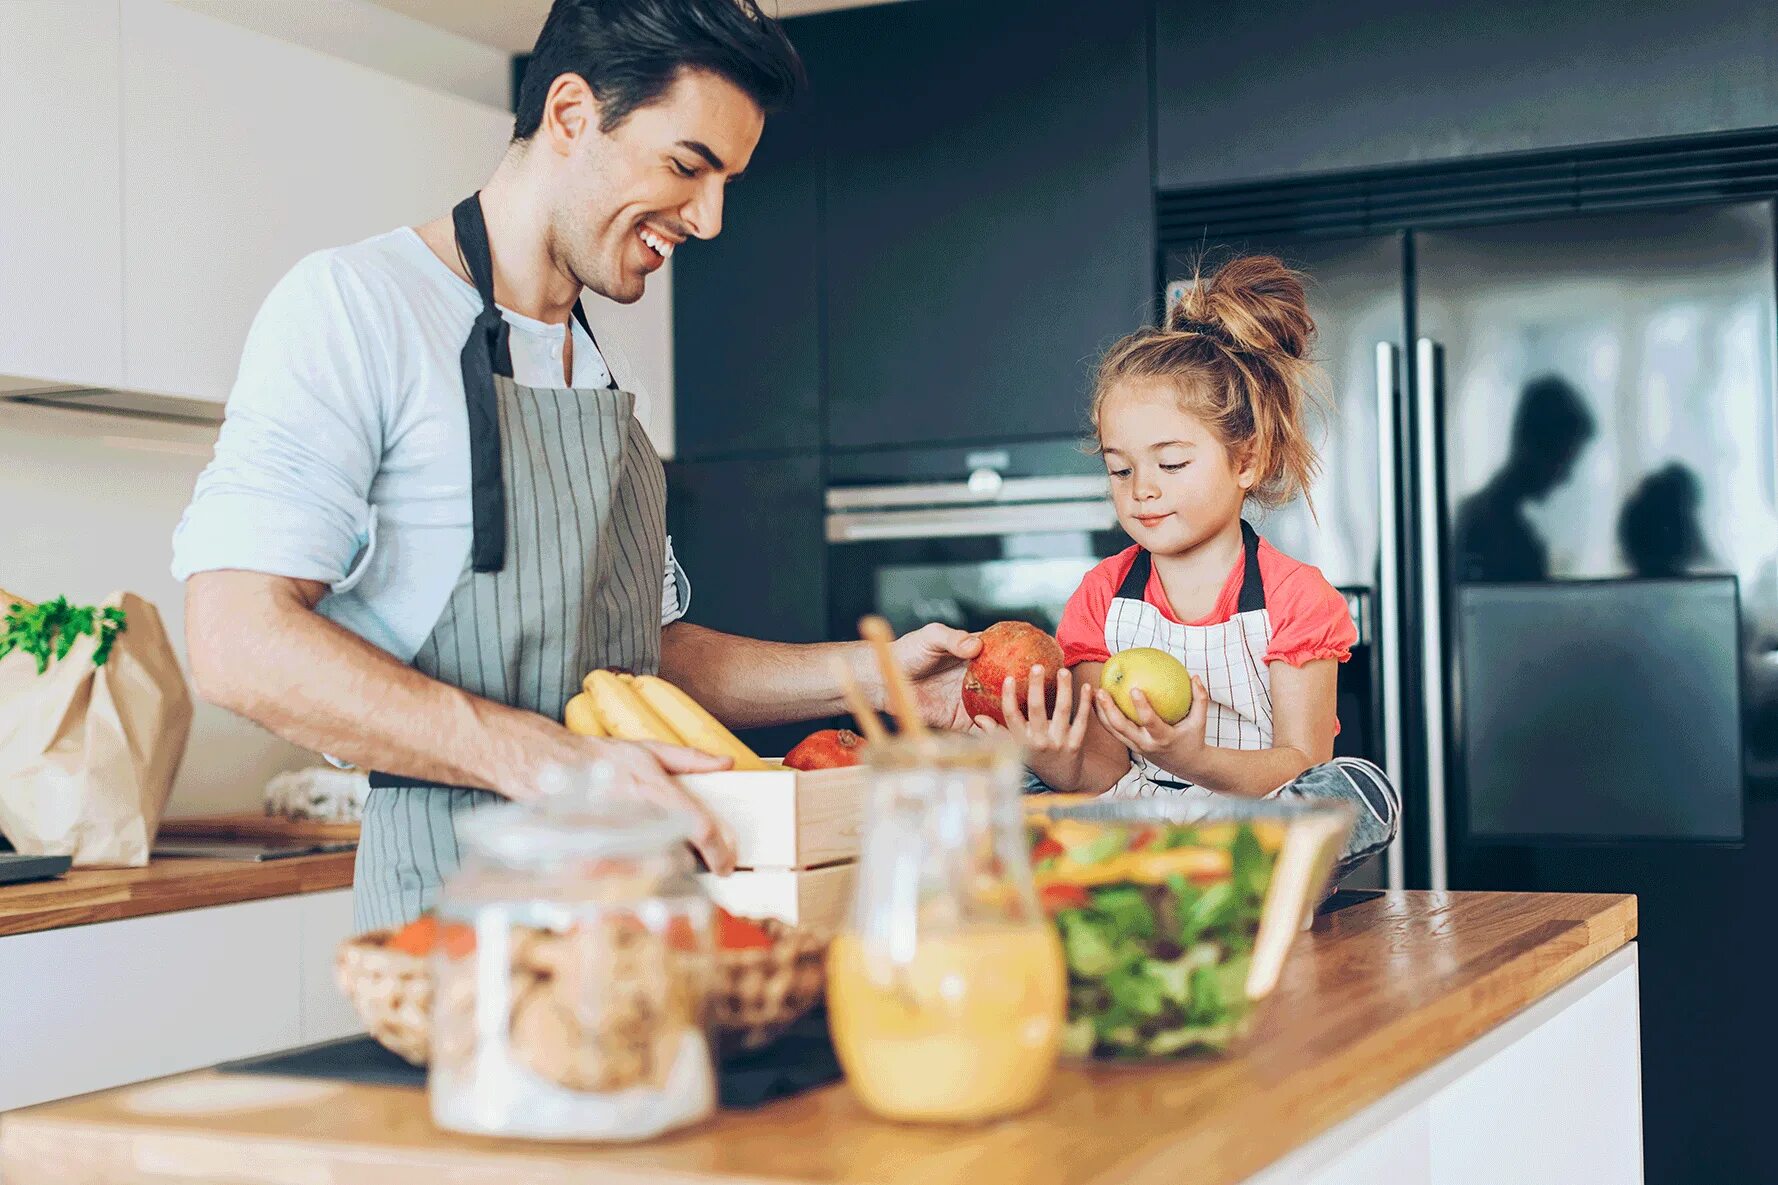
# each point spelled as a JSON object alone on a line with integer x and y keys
{"x": 749, "y": 533}
{"x": 746, "y": 304}
{"x": 1251, "y": 91}
{"x": 989, "y": 214}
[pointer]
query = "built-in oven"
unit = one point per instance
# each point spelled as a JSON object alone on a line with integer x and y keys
{"x": 971, "y": 536}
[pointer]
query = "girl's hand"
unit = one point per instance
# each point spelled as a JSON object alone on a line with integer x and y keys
{"x": 1053, "y": 744}
{"x": 1177, "y": 748}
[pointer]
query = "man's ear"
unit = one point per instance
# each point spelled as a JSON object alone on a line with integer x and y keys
{"x": 570, "y": 112}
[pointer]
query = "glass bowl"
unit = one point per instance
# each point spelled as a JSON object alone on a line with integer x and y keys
{"x": 1176, "y": 915}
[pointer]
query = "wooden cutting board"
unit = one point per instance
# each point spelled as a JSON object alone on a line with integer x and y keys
{"x": 248, "y": 826}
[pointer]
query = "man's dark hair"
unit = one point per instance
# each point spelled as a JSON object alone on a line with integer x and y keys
{"x": 1552, "y": 417}
{"x": 631, "y": 51}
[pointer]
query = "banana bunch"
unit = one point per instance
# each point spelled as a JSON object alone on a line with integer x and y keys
{"x": 644, "y": 708}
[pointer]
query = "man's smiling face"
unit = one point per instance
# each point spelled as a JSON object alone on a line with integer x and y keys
{"x": 633, "y": 194}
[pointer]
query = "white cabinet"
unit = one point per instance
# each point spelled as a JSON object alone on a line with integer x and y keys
{"x": 1551, "y": 1097}
{"x": 326, "y": 922}
{"x": 61, "y": 291}
{"x": 241, "y": 154}
{"x": 90, "y": 1007}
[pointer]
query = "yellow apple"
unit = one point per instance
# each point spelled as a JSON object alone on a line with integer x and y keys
{"x": 1162, "y": 678}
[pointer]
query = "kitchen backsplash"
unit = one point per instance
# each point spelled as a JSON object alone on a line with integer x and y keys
{"x": 89, "y": 502}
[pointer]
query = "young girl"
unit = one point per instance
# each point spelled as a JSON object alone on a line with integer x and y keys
{"x": 1195, "y": 420}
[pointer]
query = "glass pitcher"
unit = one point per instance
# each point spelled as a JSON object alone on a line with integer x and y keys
{"x": 947, "y": 992}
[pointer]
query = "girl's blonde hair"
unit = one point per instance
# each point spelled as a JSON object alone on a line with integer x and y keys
{"x": 1235, "y": 346}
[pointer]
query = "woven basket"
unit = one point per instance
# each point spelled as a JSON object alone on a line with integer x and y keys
{"x": 764, "y": 990}
{"x": 760, "y": 992}
{"x": 392, "y": 991}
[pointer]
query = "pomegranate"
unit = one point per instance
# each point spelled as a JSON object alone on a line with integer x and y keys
{"x": 1009, "y": 648}
{"x": 831, "y": 748}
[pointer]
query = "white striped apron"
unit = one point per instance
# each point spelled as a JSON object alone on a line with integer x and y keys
{"x": 570, "y": 504}
{"x": 1229, "y": 658}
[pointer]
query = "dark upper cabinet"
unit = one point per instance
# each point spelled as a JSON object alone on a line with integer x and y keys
{"x": 750, "y": 535}
{"x": 1250, "y": 91}
{"x": 989, "y": 214}
{"x": 749, "y": 532}
{"x": 746, "y": 304}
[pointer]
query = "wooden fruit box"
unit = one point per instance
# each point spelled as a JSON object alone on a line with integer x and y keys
{"x": 816, "y": 898}
{"x": 786, "y": 818}
{"x": 796, "y": 842}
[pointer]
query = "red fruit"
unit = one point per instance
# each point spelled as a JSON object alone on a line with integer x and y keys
{"x": 1057, "y": 896}
{"x": 735, "y": 933}
{"x": 831, "y": 748}
{"x": 1009, "y": 648}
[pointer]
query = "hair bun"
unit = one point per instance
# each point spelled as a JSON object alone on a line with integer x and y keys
{"x": 1252, "y": 303}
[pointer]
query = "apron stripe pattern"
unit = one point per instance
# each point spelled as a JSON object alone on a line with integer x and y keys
{"x": 1229, "y": 657}
{"x": 574, "y": 559}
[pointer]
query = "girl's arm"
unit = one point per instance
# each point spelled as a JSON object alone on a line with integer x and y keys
{"x": 1070, "y": 751}
{"x": 1303, "y": 713}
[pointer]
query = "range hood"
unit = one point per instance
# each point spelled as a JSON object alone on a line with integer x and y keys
{"x": 134, "y": 404}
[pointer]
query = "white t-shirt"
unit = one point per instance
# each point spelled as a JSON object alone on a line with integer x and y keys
{"x": 344, "y": 453}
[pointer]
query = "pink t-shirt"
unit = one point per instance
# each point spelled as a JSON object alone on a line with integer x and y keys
{"x": 1309, "y": 616}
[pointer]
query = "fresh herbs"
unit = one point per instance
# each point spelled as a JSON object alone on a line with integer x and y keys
{"x": 49, "y": 630}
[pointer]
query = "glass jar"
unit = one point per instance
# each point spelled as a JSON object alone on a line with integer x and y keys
{"x": 946, "y": 992}
{"x": 572, "y": 976}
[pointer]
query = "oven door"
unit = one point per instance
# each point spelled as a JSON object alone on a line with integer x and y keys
{"x": 968, "y": 554}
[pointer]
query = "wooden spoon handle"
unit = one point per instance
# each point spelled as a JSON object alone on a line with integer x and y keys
{"x": 8, "y": 600}
{"x": 876, "y": 631}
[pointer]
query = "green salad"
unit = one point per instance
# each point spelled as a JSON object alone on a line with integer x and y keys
{"x": 1158, "y": 922}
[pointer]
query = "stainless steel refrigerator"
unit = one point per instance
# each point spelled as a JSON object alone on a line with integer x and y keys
{"x": 1552, "y": 456}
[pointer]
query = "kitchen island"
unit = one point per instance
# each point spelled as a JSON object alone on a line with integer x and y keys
{"x": 1486, "y": 1037}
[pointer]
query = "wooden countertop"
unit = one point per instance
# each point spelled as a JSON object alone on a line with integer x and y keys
{"x": 1379, "y": 992}
{"x": 108, "y": 894}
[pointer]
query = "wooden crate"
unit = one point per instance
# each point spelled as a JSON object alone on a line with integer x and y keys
{"x": 785, "y": 818}
{"x": 818, "y": 898}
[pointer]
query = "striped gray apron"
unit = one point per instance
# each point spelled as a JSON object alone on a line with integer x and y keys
{"x": 565, "y": 572}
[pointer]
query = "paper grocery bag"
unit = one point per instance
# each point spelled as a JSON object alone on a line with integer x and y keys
{"x": 88, "y": 753}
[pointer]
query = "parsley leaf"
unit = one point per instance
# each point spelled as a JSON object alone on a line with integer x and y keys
{"x": 50, "y": 630}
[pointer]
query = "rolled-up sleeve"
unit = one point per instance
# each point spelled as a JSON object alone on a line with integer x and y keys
{"x": 287, "y": 492}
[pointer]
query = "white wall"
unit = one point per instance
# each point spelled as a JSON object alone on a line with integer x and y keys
{"x": 88, "y": 503}
{"x": 376, "y": 37}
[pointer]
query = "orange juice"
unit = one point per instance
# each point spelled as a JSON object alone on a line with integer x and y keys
{"x": 968, "y": 1029}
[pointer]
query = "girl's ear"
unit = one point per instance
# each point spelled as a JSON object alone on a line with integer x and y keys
{"x": 1247, "y": 468}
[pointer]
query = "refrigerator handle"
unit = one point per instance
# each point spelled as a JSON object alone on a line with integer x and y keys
{"x": 1428, "y": 396}
{"x": 1389, "y": 588}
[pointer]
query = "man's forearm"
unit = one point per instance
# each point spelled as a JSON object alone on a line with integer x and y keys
{"x": 752, "y": 684}
{"x": 258, "y": 648}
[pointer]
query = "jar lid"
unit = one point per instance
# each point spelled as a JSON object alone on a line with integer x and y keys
{"x": 582, "y": 813}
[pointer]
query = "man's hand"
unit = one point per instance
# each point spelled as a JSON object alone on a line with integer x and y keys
{"x": 1177, "y": 748}
{"x": 935, "y": 657}
{"x": 647, "y": 768}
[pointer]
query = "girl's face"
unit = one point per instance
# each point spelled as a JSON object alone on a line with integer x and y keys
{"x": 1174, "y": 484}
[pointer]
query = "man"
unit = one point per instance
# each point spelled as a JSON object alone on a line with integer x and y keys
{"x": 431, "y": 508}
{"x": 1495, "y": 541}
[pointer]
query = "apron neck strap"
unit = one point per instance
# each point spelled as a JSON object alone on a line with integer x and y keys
{"x": 478, "y": 257}
{"x": 472, "y": 241}
{"x": 1253, "y": 592}
{"x": 486, "y": 352}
